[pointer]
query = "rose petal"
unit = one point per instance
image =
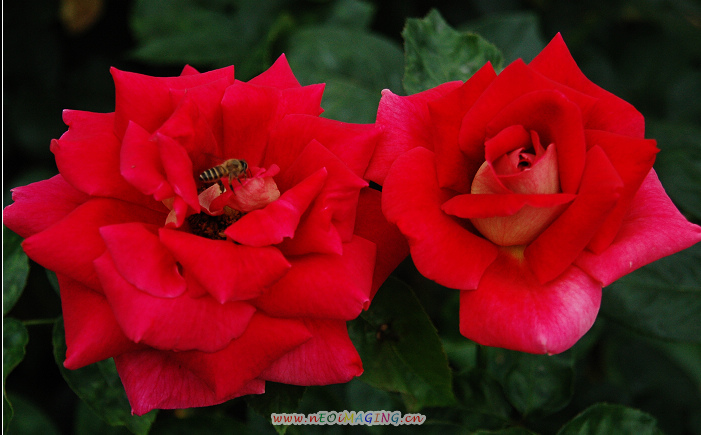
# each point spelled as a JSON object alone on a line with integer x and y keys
{"x": 610, "y": 113}
{"x": 204, "y": 131}
{"x": 178, "y": 169}
{"x": 279, "y": 75}
{"x": 514, "y": 81}
{"x": 228, "y": 271}
{"x": 562, "y": 242}
{"x": 157, "y": 380}
{"x": 79, "y": 238}
{"x": 371, "y": 225}
{"x": 328, "y": 358}
{"x": 511, "y": 309}
{"x": 29, "y": 214}
{"x": 87, "y": 156}
{"x": 405, "y": 123}
{"x": 633, "y": 159}
{"x": 250, "y": 112}
{"x": 557, "y": 121}
{"x": 653, "y": 228}
{"x": 142, "y": 260}
{"x": 189, "y": 126}
{"x": 324, "y": 285}
{"x": 92, "y": 332}
{"x": 353, "y": 144}
{"x": 331, "y": 218}
{"x": 266, "y": 339}
{"x": 147, "y": 101}
{"x": 279, "y": 219}
{"x": 453, "y": 167}
{"x": 180, "y": 323}
{"x": 160, "y": 379}
{"x": 490, "y": 205}
{"x": 141, "y": 165}
{"x": 442, "y": 249}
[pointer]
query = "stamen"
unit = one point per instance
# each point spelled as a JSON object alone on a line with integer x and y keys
{"x": 213, "y": 227}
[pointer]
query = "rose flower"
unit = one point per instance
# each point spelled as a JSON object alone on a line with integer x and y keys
{"x": 528, "y": 191}
{"x": 209, "y": 235}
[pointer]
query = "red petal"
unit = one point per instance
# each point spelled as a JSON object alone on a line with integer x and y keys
{"x": 189, "y": 70}
{"x": 352, "y": 143}
{"x": 610, "y": 113}
{"x": 279, "y": 219}
{"x": 558, "y": 121}
{"x": 251, "y": 112}
{"x": 147, "y": 101}
{"x": 92, "y": 332}
{"x": 265, "y": 340}
{"x": 328, "y": 358}
{"x": 324, "y": 285}
{"x": 248, "y": 113}
{"x": 511, "y": 309}
{"x": 491, "y": 205}
{"x": 653, "y": 228}
{"x": 559, "y": 245}
{"x": 141, "y": 165}
{"x": 442, "y": 249}
{"x": 142, "y": 260}
{"x": 70, "y": 246}
{"x": 406, "y": 123}
{"x": 29, "y": 213}
{"x": 178, "y": 169}
{"x": 228, "y": 271}
{"x": 179, "y": 323}
{"x": 279, "y": 75}
{"x": 87, "y": 156}
{"x": 331, "y": 217}
{"x": 391, "y": 245}
{"x": 633, "y": 159}
{"x": 156, "y": 379}
{"x": 455, "y": 170}
{"x": 191, "y": 124}
{"x": 204, "y": 129}
{"x": 514, "y": 81}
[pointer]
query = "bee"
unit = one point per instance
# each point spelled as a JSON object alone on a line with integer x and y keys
{"x": 234, "y": 168}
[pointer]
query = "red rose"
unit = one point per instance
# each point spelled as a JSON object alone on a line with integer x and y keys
{"x": 529, "y": 191}
{"x": 202, "y": 291}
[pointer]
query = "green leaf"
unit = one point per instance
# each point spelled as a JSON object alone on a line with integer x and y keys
{"x": 678, "y": 163}
{"x": 535, "y": 385}
{"x": 354, "y": 64}
{"x": 353, "y": 14}
{"x": 517, "y": 34}
{"x": 662, "y": 299}
{"x": 14, "y": 343}
{"x": 15, "y": 269}
{"x": 278, "y": 398}
{"x": 436, "y": 53}
{"x": 53, "y": 280}
{"x": 30, "y": 419}
{"x": 604, "y": 418}
{"x": 89, "y": 423}
{"x": 213, "y": 34}
{"x": 401, "y": 350}
{"x": 100, "y": 387}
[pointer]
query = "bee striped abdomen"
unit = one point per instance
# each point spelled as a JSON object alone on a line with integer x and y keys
{"x": 234, "y": 168}
{"x": 212, "y": 174}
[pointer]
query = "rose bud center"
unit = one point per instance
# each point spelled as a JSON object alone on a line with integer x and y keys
{"x": 517, "y": 164}
{"x": 223, "y": 202}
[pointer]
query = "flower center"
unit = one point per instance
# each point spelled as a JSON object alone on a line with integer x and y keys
{"x": 213, "y": 227}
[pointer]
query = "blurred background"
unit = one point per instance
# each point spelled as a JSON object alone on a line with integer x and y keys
{"x": 57, "y": 55}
